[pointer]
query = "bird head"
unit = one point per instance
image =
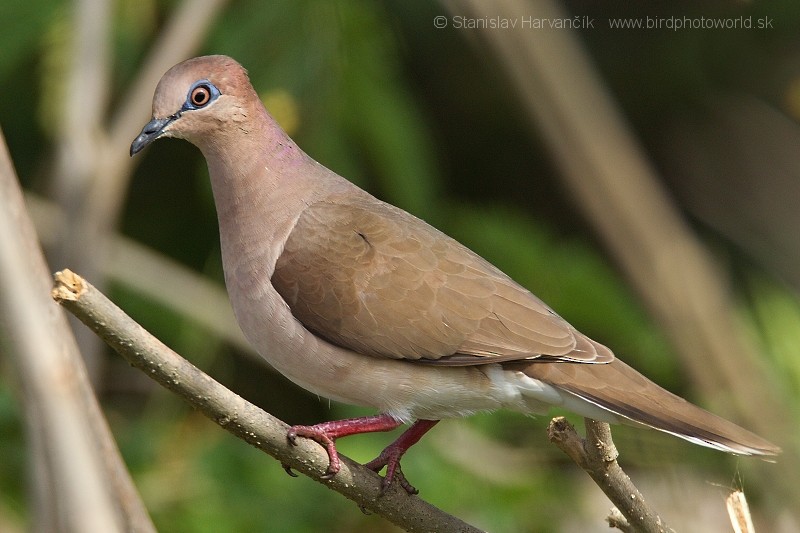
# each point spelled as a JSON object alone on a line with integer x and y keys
{"x": 199, "y": 100}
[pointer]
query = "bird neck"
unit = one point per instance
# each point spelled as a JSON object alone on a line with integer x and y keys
{"x": 261, "y": 182}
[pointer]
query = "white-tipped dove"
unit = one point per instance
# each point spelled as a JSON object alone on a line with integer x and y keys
{"x": 359, "y": 301}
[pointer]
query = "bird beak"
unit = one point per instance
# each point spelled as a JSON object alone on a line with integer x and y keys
{"x": 151, "y": 131}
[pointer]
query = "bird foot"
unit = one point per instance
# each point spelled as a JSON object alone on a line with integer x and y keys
{"x": 326, "y": 434}
{"x": 390, "y": 458}
{"x": 321, "y": 436}
{"x": 391, "y": 455}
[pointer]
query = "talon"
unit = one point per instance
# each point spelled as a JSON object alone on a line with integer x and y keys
{"x": 411, "y": 489}
{"x": 327, "y": 432}
{"x": 393, "y": 474}
{"x": 288, "y": 469}
{"x": 391, "y": 455}
{"x": 321, "y": 437}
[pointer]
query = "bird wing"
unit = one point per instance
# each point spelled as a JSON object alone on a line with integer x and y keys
{"x": 370, "y": 277}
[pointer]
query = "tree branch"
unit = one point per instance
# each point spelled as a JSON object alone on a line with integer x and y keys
{"x": 597, "y": 455}
{"x": 240, "y": 417}
{"x": 79, "y": 479}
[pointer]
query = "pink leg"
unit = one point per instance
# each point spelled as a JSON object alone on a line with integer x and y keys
{"x": 391, "y": 455}
{"x": 327, "y": 432}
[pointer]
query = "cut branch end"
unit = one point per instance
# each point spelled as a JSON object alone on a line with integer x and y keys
{"x": 68, "y": 286}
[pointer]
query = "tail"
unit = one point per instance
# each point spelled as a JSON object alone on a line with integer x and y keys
{"x": 621, "y": 390}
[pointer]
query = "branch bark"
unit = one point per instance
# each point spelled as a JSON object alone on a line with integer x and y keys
{"x": 597, "y": 455}
{"x": 79, "y": 479}
{"x": 240, "y": 417}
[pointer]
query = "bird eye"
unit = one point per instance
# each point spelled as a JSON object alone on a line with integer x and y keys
{"x": 200, "y": 96}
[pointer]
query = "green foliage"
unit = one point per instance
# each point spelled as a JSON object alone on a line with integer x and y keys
{"x": 23, "y": 24}
{"x": 773, "y": 317}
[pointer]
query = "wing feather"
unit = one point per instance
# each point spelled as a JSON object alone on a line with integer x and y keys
{"x": 372, "y": 278}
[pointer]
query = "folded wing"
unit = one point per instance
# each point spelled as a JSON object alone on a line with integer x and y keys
{"x": 372, "y": 278}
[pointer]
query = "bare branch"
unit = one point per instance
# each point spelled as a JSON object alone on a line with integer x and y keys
{"x": 80, "y": 141}
{"x": 239, "y": 416}
{"x": 81, "y": 481}
{"x": 597, "y": 455}
{"x": 84, "y": 102}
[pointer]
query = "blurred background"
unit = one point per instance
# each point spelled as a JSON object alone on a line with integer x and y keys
{"x": 643, "y": 182}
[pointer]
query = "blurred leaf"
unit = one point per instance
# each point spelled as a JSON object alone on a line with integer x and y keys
{"x": 382, "y": 115}
{"x": 775, "y": 321}
{"x": 283, "y": 107}
{"x": 341, "y": 61}
{"x": 135, "y": 24}
{"x": 22, "y": 24}
{"x": 54, "y": 68}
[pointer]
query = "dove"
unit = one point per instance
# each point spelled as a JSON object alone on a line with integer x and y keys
{"x": 361, "y": 302}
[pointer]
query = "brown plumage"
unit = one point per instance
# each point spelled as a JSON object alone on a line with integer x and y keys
{"x": 359, "y": 301}
{"x": 382, "y": 282}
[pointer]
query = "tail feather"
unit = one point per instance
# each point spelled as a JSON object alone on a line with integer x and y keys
{"x": 623, "y": 391}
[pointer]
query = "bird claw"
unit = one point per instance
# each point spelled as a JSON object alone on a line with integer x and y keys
{"x": 288, "y": 469}
{"x": 390, "y": 458}
{"x": 327, "y": 432}
{"x": 320, "y": 436}
{"x": 364, "y": 510}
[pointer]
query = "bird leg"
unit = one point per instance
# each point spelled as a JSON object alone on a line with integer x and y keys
{"x": 326, "y": 434}
{"x": 390, "y": 456}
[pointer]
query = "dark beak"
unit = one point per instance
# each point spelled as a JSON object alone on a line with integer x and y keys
{"x": 151, "y": 131}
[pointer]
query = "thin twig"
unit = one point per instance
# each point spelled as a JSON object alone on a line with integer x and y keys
{"x": 739, "y": 512}
{"x": 239, "y": 416}
{"x": 617, "y": 520}
{"x": 597, "y": 455}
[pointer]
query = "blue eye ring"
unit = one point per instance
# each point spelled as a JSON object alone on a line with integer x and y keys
{"x": 201, "y": 94}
